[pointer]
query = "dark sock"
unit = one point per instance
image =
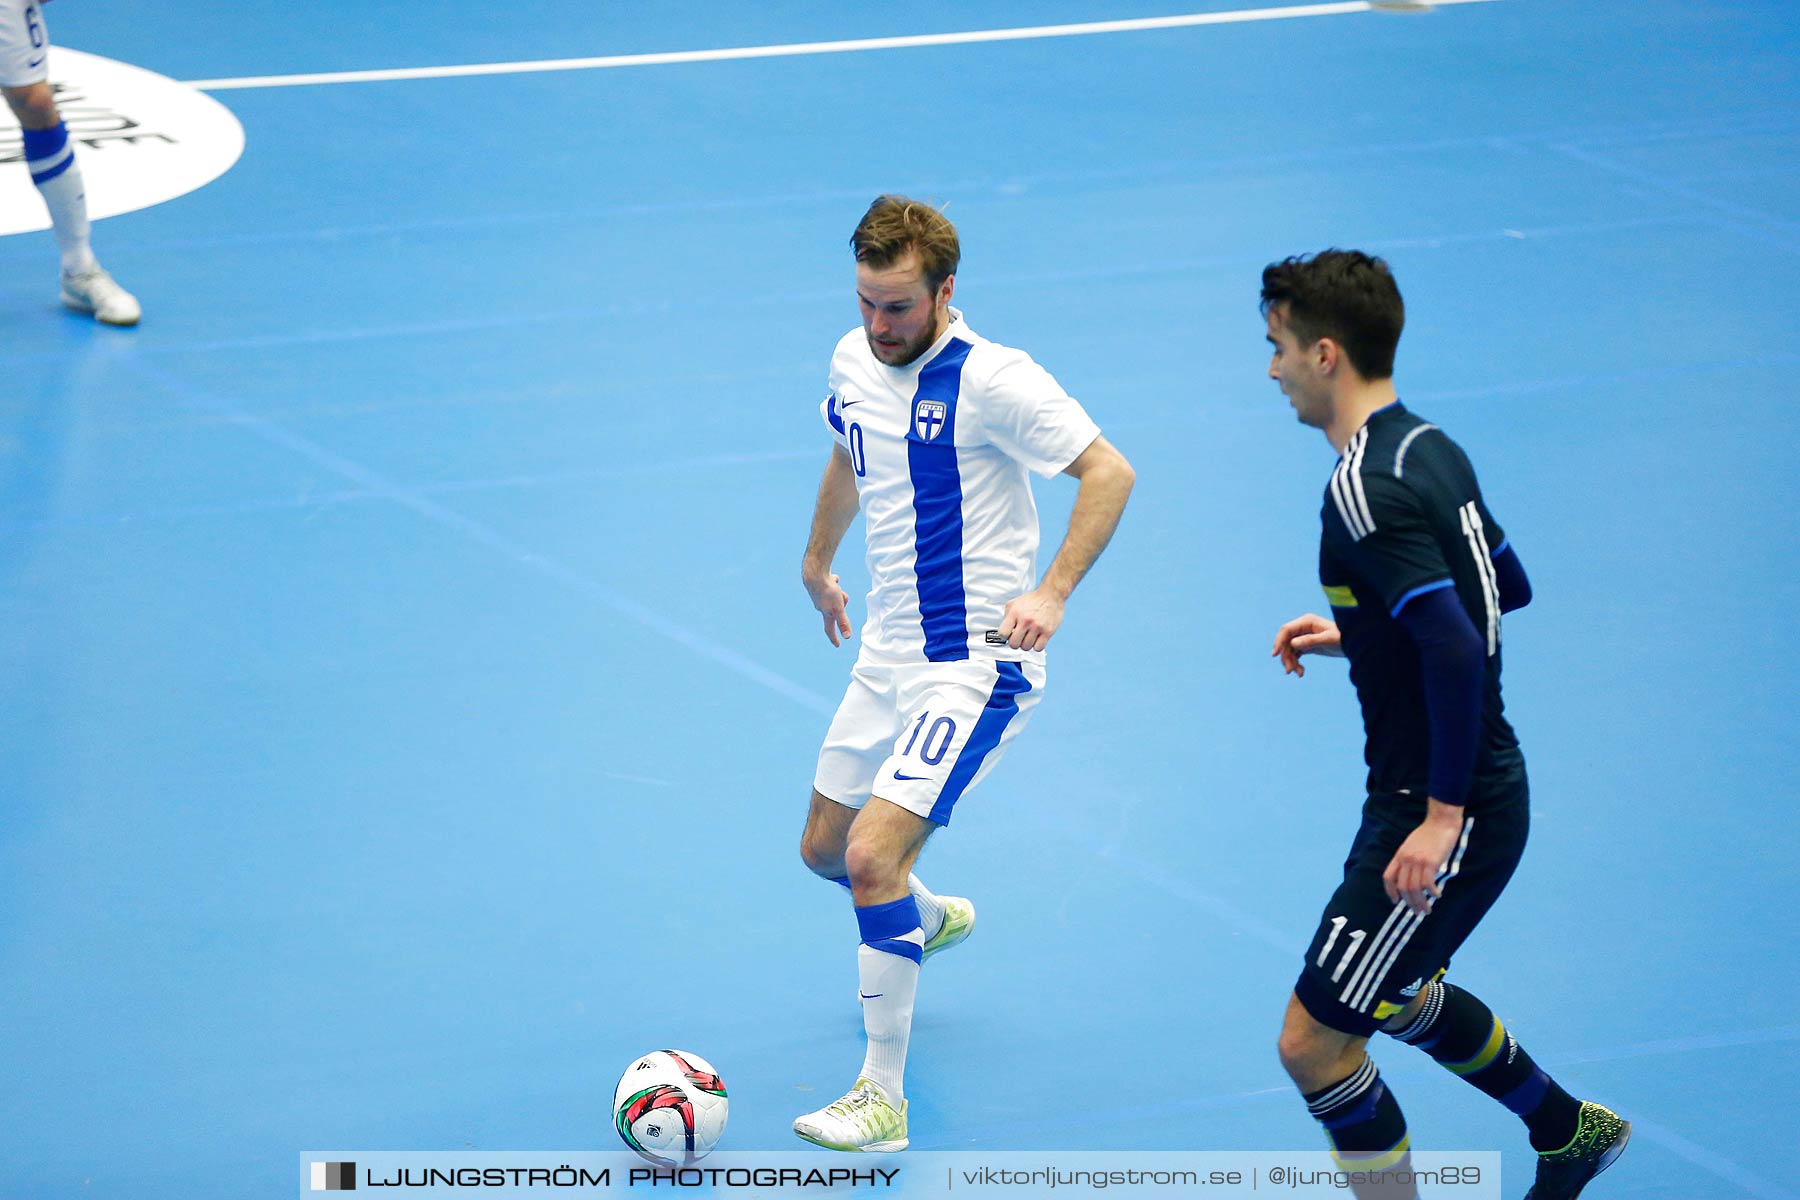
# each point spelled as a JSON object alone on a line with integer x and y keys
{"x": 1464, "y": 1035}
{"x": 1362, "y": 1120}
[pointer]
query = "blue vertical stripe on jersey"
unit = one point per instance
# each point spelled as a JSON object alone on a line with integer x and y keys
{"x": 937, "y": 510}
{"x": 833, "y": 414}
{"x": 1002, "y": 706}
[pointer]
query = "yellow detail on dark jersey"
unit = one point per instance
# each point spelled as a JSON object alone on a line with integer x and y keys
{"x": 1340, "y": 596}
{"x": 1386, "y": 1009}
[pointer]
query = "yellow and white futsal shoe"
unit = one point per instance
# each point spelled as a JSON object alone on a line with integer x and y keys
{"x": 862, "y": 1121}
{"x": 95, "y": 292}
{"x": 959, "y": 922}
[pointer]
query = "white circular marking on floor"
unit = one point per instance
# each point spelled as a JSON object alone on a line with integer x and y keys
{"x": 141, "y": 139}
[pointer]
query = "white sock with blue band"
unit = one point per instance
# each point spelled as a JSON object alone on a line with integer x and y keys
{"x": 51, "y": 160}
{"x": 887, "y": 967}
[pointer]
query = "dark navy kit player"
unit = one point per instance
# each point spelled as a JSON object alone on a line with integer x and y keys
{"x": 1417, "y": 571}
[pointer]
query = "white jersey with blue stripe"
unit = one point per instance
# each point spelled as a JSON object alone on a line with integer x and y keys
{"x": 942, "y": 449}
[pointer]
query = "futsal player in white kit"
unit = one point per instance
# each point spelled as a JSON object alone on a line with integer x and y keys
{"x": 937, "y": 430}
{"x": 49, "y": 156}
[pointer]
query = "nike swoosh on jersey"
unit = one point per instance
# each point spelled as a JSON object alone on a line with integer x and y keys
{"x": 910, "y": 778}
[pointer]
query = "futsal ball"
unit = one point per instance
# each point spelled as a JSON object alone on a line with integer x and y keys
{"x": 670, "y": 1107}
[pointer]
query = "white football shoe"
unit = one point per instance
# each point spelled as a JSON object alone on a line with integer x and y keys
{"x": 959, "y": 923}
{"x": 95, "y": 292}
{"x": 863, "y": 1121}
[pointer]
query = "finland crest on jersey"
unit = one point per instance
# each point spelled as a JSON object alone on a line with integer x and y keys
{"x": 928, "y": 418}
{"x": 942, "y": 449}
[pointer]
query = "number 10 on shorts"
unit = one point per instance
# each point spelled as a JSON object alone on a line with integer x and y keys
{"x": 937, "y": 739}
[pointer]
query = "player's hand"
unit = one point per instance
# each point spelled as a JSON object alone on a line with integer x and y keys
{"x": 833, "y": 604}
{"x": 1031, "y": 619}
{"x": 1412, "y": 873}
{"x": 1310, "y": 634}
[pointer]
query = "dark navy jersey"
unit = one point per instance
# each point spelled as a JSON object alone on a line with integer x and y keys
{"x": 1404, "y": 516}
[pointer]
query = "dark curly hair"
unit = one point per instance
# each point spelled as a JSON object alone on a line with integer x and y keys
{"x": 1345, "y": 295}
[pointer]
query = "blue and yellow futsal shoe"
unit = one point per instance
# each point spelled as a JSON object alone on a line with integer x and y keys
{"x": 1600, "y": 1137}
{"x": 959, "y": 922}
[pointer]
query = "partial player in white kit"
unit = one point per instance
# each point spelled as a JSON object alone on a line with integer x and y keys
{"x": 937, "y": 432}
{"x": 24, "y": 79}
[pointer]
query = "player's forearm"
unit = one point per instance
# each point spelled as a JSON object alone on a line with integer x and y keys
{"x": 1099, "y": 503}
{"x": 1453, "y": 670}
{"x": 832, "y": 514}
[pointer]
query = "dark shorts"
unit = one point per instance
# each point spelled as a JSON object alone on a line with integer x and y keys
{"x": 1371, "y": 955}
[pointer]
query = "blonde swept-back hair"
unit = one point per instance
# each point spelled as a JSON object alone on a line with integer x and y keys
{"x": 895, "y": 224}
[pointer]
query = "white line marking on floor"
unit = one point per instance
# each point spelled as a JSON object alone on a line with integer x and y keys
{"x": 856, "y": 45}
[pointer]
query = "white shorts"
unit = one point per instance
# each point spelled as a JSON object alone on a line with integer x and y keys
{"x": 921, "y": 735}
{"x": 24, "y": 44}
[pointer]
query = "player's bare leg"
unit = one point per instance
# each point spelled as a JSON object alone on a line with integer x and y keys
{"x": 826, "y": 834}
{"x": 883, "y": 845}
{"x": 1344, "y": 1091}
{"x": 51, "y": 159}
{"x": 946, "y": 920}
{"x": 34, "y": 105}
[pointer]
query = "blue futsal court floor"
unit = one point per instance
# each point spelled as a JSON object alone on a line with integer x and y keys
{"x": 410, "y": 700}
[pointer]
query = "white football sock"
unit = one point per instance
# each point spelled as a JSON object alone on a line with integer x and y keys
{"x": 887, "y": 968}
{"x": 57, "y": 174}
